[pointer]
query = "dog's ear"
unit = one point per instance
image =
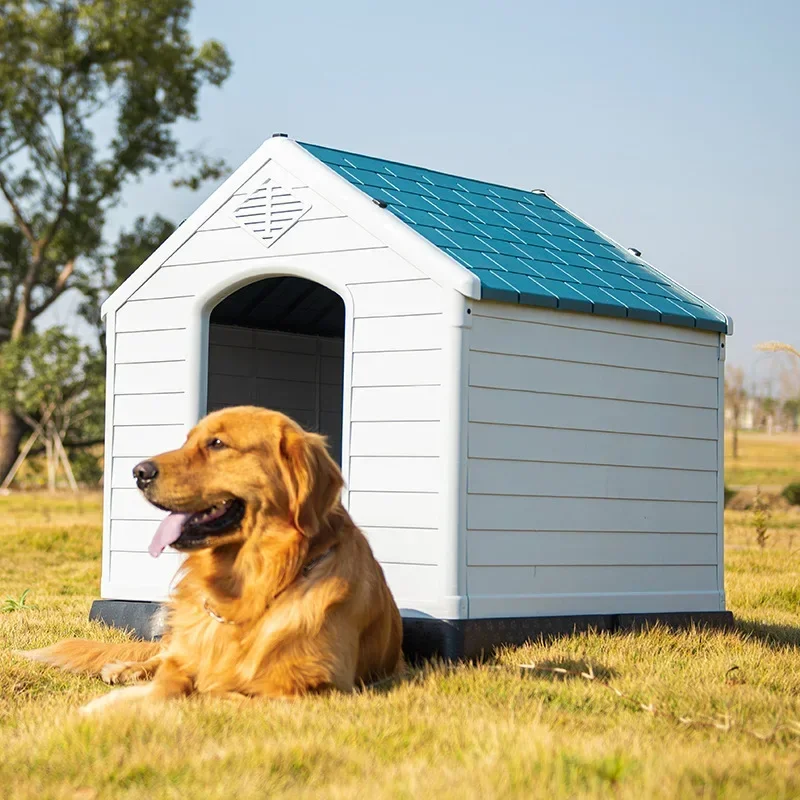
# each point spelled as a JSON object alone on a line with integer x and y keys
{"x": 313, "y": 480}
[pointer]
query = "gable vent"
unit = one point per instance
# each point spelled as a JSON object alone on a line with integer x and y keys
{"x": 269, "y": 212}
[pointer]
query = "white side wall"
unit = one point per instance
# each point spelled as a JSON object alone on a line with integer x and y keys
{"x": 593, "y": 468}
{"x": 392, "y": 397}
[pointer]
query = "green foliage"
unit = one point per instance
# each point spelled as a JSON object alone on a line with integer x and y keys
{"x": 51, "y": 375}
{"x": 133, "y": 247}
{"x": 86, "y": 467}
{"x": 65, "y": 64}
{"x": 11, "y": 604}
{"x": 792, "y": 493}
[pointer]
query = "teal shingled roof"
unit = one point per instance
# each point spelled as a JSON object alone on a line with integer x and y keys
{"x": 523, "y": 246}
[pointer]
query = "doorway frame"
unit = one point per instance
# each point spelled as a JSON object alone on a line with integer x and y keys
{"x": 198, "y": 327}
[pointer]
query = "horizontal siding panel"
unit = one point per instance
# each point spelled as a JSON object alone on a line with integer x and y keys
{"x": 539, "y": 605}
{"x": 590, "y": 380}
{"x": 154, "y": 315}
{"x": 232, "y": 390}
{"x": 149, "y": 409}
{"x": 223, "y": 216}
{"x": 285, "y": 394}
{"x": 284, "y": 366}
{"x": 490, "y": 512}
{"x": 142, "y": 441}
{"x": 396, "y": 403}
{"x": 395, "y": 474}
{"x": 408, "y": 582}
{"x": 394, "y": 509}
{"x": 332, "y": 370}
{"x": 403, "y": 545}
{"x": 394, "y": 439}
{"x": 374, "y": 265}
{"x": 122, "y": 471}
{"x": 330, "y": 399}
{"x": 383, "y": 334}
{"x": 146, "y": 378}
{"x": 583, "y": 480}
{"x": 319, "y": 209}
{"x": 589, "y": 447}
{"x": 558, "y": 548}
{"x": 592, "y": 347}
{"x": 315, "y": 236}
{"x": 397, "y": 298}
{"x": 139, "y": 569}
{"x": 230, "y": 361}
{"x": 272, "y": 171}
{"x": 593, "y": 322}
{"x": 137, "y": 348}
{"x": 616, "y": 579}
{"x": 398, "y": 368}
{"x": 129, "y": 504}
{"x": 589, "y": 413}
{"x": 132, "y": 535}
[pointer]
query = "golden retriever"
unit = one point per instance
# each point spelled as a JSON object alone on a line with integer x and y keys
{"x": 280, "y": 594}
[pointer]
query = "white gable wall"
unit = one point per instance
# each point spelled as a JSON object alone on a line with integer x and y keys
{"x": 594, "y": 470}
{"x": 394, "y": 340}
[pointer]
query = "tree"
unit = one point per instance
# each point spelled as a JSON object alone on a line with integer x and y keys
{"x": 132, "y": 248}
{"x": 70, "y": 67}
{"x": 55, "y": 385}
{"x": 735, "y": 398}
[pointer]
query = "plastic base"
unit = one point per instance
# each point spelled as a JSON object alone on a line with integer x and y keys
{"x": 452, "y": 640}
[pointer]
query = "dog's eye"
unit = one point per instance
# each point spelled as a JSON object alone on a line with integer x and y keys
{"x": 215, "y": 444}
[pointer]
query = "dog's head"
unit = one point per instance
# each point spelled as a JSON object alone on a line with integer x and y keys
{"x": 237, "y": 464}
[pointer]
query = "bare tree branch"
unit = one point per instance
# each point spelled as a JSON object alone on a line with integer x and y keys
{"x": 58, "y": 289}
{"x": 24, "y": 225}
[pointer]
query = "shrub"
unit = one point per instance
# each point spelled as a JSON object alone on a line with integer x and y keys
{"x": 86, "y": 467}
{"x": 792, "y": 494}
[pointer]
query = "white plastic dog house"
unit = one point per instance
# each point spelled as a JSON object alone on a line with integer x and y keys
{"x": 528, "y": 416}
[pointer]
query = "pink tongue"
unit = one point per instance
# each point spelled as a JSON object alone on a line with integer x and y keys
{"x": 168, "y": 531}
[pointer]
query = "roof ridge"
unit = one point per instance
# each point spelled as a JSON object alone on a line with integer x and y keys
{"x": 426, "y": 169}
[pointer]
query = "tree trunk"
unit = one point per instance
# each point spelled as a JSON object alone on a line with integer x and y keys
{"x": 11, "y": 433}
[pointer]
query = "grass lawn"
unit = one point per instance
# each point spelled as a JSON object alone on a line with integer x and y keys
{"x": 768, "y": 461}
{"x": 701, "y": 714}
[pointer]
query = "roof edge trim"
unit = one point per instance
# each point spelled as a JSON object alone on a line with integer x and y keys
{"x": 728, "y": 320}
{"x": 381, "y": 223}
{"x": 188, "y": 227}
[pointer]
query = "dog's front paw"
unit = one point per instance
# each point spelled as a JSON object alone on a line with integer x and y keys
{"x": 116, "y": 672}
{"x": 117, "y": 698}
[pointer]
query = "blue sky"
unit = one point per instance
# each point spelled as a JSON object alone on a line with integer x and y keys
{"x": 671, "y": 126}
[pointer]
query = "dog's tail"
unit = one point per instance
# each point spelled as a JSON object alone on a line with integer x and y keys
{"x": 82, "y": 655}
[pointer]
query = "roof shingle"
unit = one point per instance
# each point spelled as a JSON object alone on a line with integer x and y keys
{"x": 523, "y": 246}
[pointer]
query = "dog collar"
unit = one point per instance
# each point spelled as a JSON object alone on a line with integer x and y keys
{"x": 307, "y": 567}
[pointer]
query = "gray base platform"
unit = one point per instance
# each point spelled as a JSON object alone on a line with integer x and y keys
{"x": 448, "y": 639}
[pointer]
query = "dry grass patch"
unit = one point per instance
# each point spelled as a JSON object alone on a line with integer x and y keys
{"x": 467, "y": 732}
{"x": 768, "y": 461}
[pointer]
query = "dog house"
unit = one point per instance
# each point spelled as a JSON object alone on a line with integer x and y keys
{"x": 528, "y": 416}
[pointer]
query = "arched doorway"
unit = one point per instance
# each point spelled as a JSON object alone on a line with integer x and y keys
{"x": 279, "y": 343}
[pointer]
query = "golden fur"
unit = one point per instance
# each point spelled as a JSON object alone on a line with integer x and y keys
{"x": 246, "y": 618}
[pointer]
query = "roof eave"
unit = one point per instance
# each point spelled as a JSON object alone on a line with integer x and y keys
{"x": 728, "y": 320}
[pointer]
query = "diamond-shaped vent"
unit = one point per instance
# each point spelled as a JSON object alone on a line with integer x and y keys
{"x": 269, "y": 212}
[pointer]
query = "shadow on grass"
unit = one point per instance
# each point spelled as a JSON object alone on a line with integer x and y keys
{"x": 769, "y": 634}
{"x": 566, "y": 669}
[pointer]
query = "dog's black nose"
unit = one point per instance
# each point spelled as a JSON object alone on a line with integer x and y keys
{"x": 145, "y": 472}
